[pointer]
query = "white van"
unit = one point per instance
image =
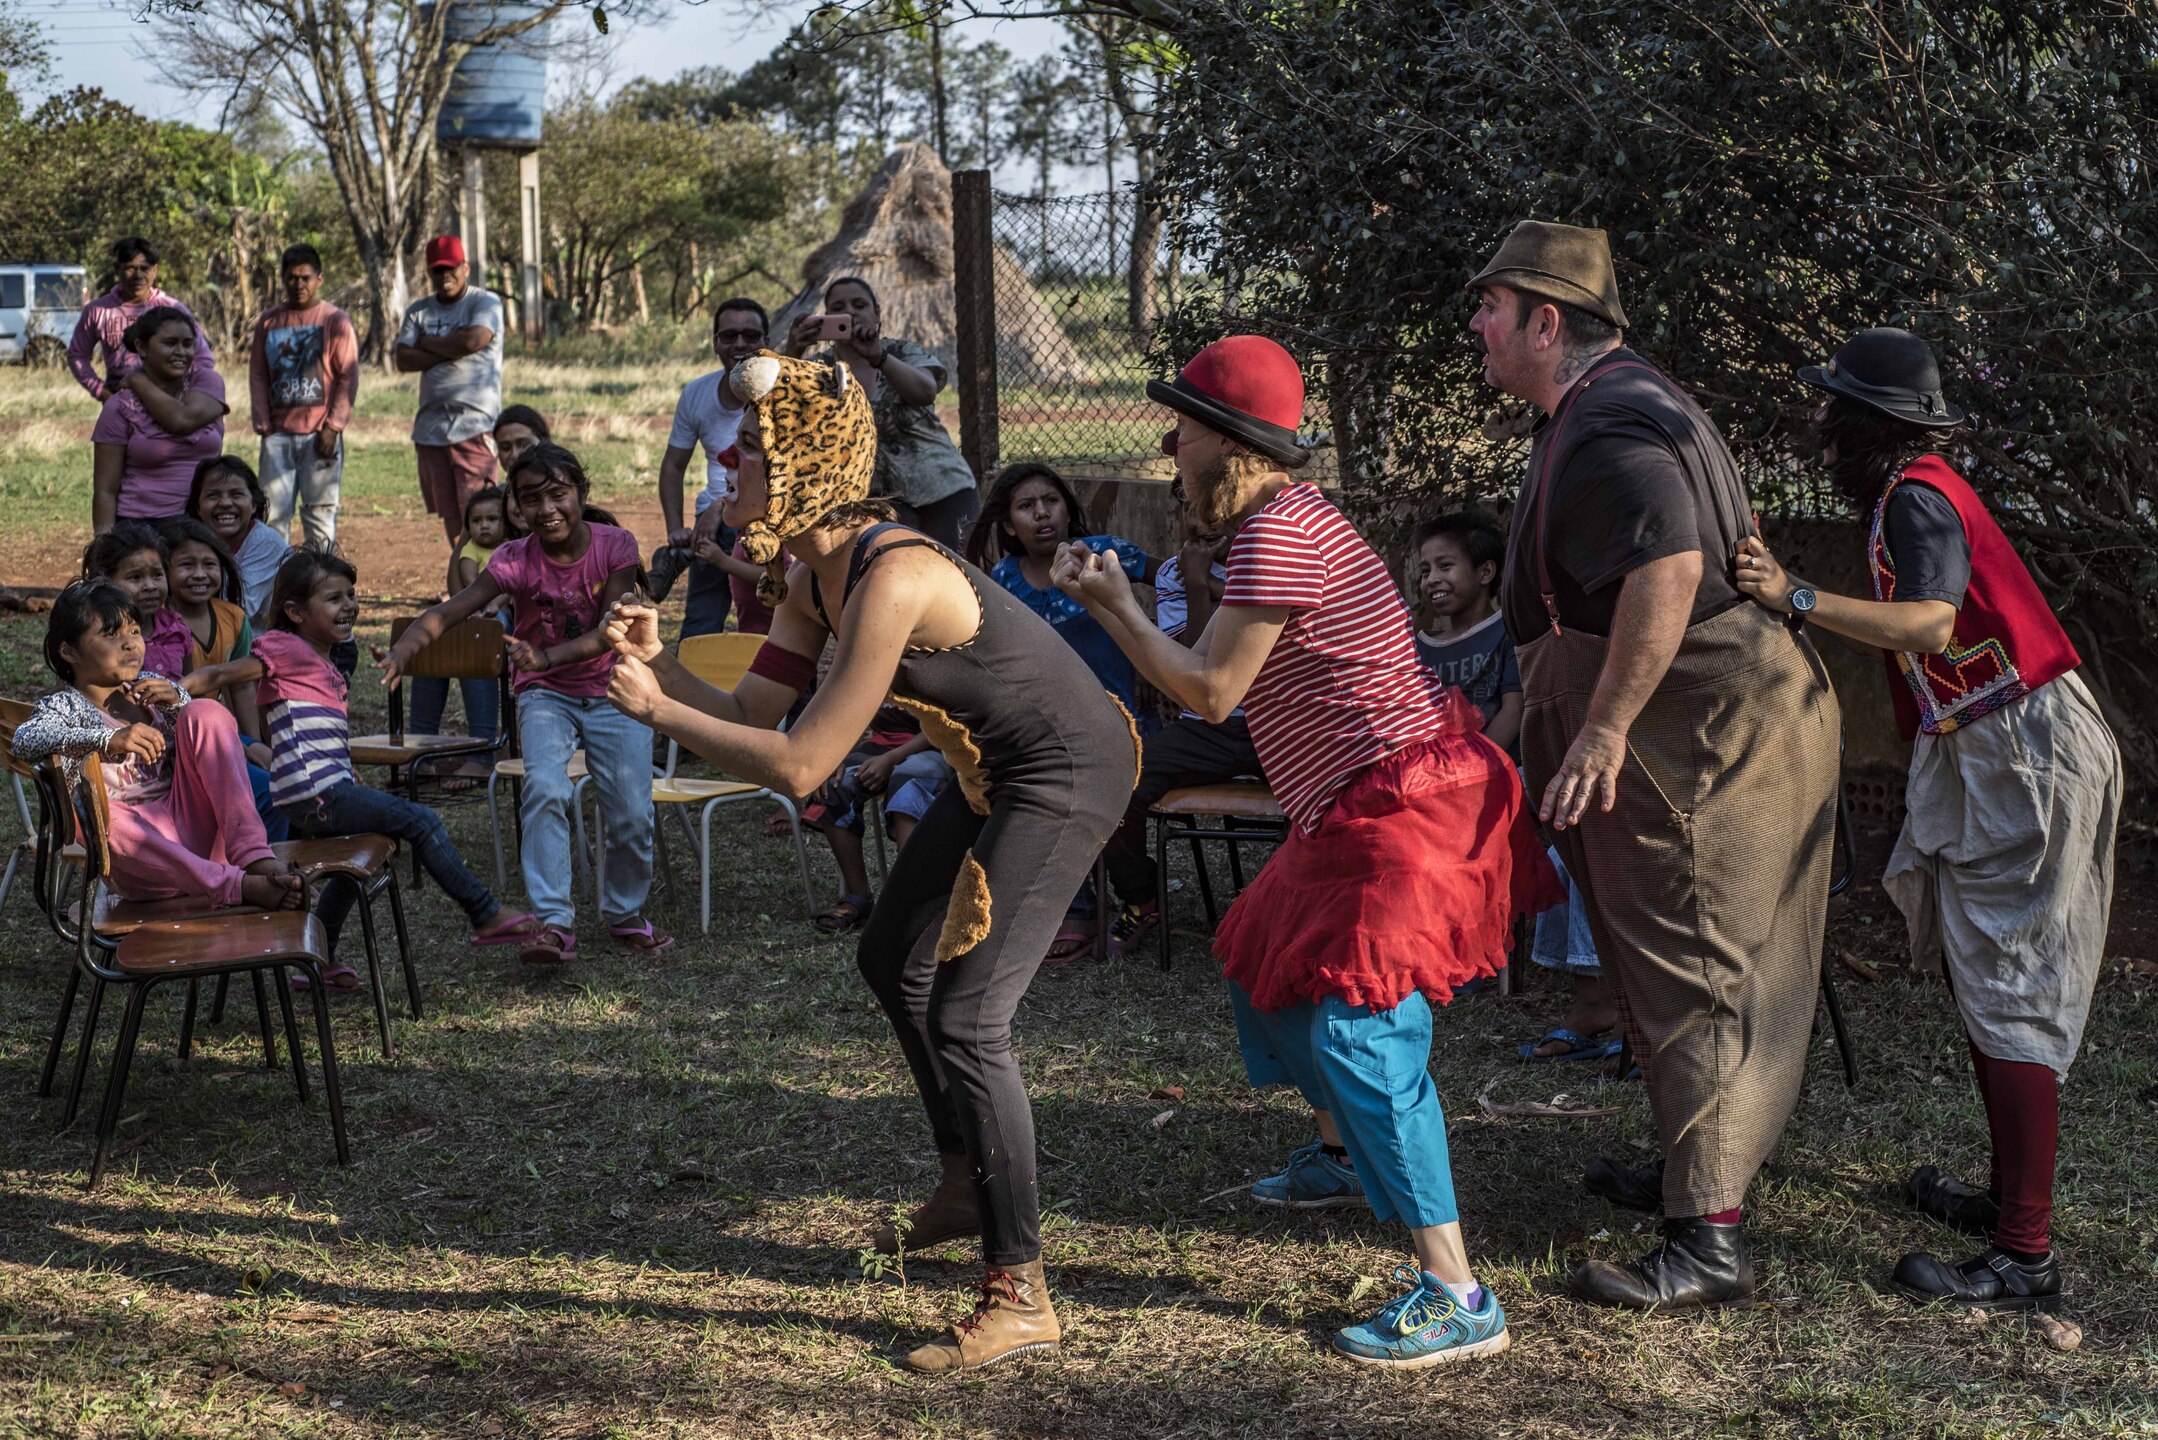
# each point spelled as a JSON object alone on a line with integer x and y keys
{"x": 39, "y": 305}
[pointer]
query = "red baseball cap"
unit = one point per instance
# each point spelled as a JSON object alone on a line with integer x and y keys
{"x": 445, "y": 250}
{"x": 1248, "y": 388}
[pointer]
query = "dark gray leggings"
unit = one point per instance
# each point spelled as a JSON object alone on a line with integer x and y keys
{"x": 954, "y": 1019}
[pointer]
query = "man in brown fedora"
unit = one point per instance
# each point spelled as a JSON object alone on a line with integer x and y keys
{"x": 1682, "y": 744}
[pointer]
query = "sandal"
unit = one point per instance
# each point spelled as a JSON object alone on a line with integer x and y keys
{"x": 1578, "y": 1047}
{"x": 340, "y": 979}
{"x": 846, "y": 915}
{"x": 638, "y": 934}
{"x": 552, "y": 946}
{"x": 1072, "y": 941}
{"x": 506, "y": 929}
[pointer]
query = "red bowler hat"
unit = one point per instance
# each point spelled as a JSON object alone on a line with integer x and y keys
{"x": 445, "y": 250}
{"x": 1248, "y": 388}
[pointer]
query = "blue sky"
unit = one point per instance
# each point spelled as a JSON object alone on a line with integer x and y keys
{"x": 94, "y": 43}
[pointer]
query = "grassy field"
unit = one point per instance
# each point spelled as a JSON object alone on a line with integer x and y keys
{"x": 629, "y": 1200}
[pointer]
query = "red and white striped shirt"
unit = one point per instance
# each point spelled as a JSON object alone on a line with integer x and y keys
{"x": 1341, "y": 688}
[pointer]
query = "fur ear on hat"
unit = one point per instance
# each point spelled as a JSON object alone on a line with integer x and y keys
{"x": 756, "y": 377}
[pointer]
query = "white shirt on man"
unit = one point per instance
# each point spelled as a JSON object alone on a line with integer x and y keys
{"x": 706, "y": 416}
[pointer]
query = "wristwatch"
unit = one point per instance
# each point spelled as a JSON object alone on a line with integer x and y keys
{"x": 1802, "y": 602}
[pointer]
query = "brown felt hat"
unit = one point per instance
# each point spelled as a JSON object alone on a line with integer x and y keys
{"x": 1564, "y": 262}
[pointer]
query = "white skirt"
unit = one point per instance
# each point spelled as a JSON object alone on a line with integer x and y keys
{"x": 2004, "y": 869}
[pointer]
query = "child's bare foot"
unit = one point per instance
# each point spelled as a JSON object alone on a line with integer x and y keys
{"x": 282, "y": 891}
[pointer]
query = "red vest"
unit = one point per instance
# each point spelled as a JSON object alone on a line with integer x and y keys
{"x": 2006, "y": 641}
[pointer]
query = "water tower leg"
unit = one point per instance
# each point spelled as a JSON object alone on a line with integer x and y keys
{"x": 472, "y": 213}
{"x": 532, "y": 304}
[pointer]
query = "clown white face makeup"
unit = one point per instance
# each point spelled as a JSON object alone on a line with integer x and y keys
{"x": 748, "y": 497}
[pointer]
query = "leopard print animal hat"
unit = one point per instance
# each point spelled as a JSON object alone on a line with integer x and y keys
{"x": 820, "y": 450}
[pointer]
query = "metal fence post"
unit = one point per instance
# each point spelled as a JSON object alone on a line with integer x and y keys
{"x": 974, "y": 283}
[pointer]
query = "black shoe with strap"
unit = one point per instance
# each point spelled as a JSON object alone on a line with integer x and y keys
{"x": 1698, "y": 1266}
{"x": 1636, "y": 1187}
{"x": 1991, "y": 1280}
{"x": 668, "y": 563}
{"x": 1941, "y": 1196}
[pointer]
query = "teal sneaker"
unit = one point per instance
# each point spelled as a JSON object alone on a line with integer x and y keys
{"x": 1426, "y": 1327}
{"x": 1312, "y": 1180}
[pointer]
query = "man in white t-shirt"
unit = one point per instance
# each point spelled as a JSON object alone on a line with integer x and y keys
{"x": 706, "y": 416}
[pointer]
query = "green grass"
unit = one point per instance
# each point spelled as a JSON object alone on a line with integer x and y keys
{"x": 629, "y": 1201}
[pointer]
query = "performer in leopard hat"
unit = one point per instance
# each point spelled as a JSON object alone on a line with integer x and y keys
{"x": 2004, "y": 869}
{"x": 1043, "y": 758}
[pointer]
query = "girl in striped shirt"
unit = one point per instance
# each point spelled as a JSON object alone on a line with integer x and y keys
{"x": 301, "y": 693}
{"x": 1409, "y": 852}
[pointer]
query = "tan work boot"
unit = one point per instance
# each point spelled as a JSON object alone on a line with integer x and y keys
{"x": 953, "y": 1210}
{"x": 1013, "y": 1318}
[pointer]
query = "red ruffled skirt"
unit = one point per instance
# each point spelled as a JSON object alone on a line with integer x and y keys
{"x": 1411, "y": 883}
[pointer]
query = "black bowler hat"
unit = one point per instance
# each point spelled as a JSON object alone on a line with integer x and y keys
{"x": 1892, "y": 371}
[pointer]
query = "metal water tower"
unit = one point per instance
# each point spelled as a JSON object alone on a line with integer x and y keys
{"x": 497, "y": 101}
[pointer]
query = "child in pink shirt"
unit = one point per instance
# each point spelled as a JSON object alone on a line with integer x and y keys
{"x": 134, "y": 556}
{"x": 183, "y": 821}
{"x": 562, "y": 578}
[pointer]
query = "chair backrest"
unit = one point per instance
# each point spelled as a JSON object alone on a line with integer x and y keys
{"x": 468, "y": 650}
{"x": 720, "y": 660}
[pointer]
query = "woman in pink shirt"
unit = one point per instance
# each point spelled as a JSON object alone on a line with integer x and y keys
{"x": 143, "y": 469}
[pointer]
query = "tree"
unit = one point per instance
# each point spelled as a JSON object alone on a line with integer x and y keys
{"x": 367, "y": 79}
{"x": 1042, "y": 124}
{"x": 23, "y": 55}
{"x": 980, "y": 81}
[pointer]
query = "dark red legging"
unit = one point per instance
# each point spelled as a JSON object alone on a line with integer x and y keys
{"x": 2023, "y": 1112}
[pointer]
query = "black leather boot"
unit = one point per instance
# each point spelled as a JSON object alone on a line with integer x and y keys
{"x": 1941, "y": 1196}
{"x": 1637, "y": 1187}
{"x": 1698, "y": 1266}
{"x": 1994, "y": 1280}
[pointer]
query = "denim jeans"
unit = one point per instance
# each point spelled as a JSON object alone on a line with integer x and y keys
{"x": 618, "y": 753}
{"x": 291, "y": 470}
{"x": 430, "y": 695}
{"x": 350, "y": 808}
{"x": 705, "y": 607}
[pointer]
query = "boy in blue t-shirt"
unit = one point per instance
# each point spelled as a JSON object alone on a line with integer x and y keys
{"x": 1459, "y": 559}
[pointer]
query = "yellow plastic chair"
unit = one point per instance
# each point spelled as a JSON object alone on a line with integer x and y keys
{"x": 721, "y": 661}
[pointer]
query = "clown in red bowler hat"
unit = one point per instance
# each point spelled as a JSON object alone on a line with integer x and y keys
{"x": 1408, "y": 855}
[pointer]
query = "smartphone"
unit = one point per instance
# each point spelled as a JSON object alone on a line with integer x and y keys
{"x": 835, "y": 327}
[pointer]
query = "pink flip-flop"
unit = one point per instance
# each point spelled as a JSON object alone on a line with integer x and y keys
{"x": 513, "y": 931}
{"x": 552, "y": 946}
{"x": 341, "y": 979}
{"x": 639, "y": 935}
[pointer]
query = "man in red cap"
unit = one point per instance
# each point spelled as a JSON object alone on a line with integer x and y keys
{"x": 1408, "y": 850}
{"x": 453, "y": 338}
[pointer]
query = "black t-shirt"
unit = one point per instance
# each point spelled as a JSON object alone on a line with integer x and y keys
{"x": 1643, "y": 475}
{"x": 1926, "y": 545}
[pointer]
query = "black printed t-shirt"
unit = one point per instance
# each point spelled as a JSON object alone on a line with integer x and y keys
{"x": 1926, "y": 544}
{"x": 1643, "y": 475}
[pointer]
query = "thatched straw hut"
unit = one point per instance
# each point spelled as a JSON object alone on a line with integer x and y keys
{"x": 897, "y": 235}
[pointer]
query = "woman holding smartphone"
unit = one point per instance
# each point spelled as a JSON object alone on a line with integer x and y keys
{"x": 919, "y": 469}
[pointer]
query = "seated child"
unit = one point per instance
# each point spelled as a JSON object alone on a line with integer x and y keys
{"x": 486, "y": 525}
{"x": 181, "y": 821}
{"x": 133, "y": 555}
{"x": 205, "y": 588}
{"x": 562, "y": 578}
{"x": 1029, "y": 511}
{"x": 894, "y": 761}
{"x": 1459, "y": 558}
{"x": 302, "y": 695}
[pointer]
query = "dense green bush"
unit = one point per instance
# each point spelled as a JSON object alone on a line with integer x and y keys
{"x": 1773, "y": 177}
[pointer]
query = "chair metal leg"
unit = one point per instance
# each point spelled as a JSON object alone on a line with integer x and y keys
{"x": 187, "y": 1021}
{"x": 374, "y": 969}
{"x": 494, "y": 823}
{"x": 1236, "y": 857}
{"x": 7, "y": 880}
{"x": 330, "y": 1085}
{"x": 59, "y": 1032}
{"x": 1835, "y": 1021}
{"x": 262, "y": 1020}
{"x": 704, "y": 874}
{"x": 873, "y": 816}
{"x": 1161, "y": 885}
{"x": 663, "y": 861}
{"x": 1102, "y": 908}
{"x": 1206, "y": 878}
{"x": 801, "y": 854}
{"x": 404, "y": 940}
{"x": 292, "y": 1030}
{"x": 116, "y": 1081}
{"x": 82, "y": 1052}
{"x": 217, "y": 999}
